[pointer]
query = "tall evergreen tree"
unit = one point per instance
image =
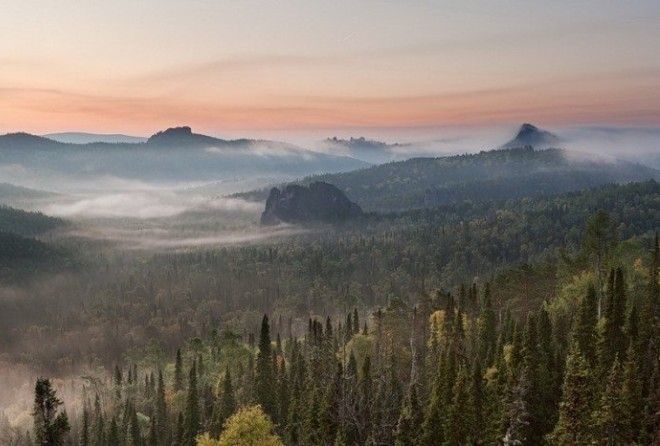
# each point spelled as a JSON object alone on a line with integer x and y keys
{"x": 160, "y": 410}
{"x": 265, "y": 390}
{"x": 574, "y": 424}
{"x": 192, "y": 418}
{"x": 84, "y": 428}
{"x": 50, "y": 424}
{"x": 612, "y": 416}
{"x": 178, "y": 371}
{"x": 584, "y": 330}
{"x": 487, "y": 327}
{"x": 460, "y": 416}
{"x": 407, "y": 430}
{"x": 225, "y": 406}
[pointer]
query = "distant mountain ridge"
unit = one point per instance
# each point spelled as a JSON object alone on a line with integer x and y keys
{"x": 364, "y": 149}
{"x": 175, "y": 154}
{"x": 89, "y": 138}
{"x": 497, "y": 174}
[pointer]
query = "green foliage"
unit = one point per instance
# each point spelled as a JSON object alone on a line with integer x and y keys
{"x": 250, "y": 426}
{"x": 50, "y": 425}
{"x": 574, "y": 423}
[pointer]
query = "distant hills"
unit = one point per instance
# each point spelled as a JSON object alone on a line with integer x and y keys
{"x": 175, "y": 154}
{"x": 369, "y": 150}
{"x": 490, "y": 175}
{"x": 88, "y": 138}
{"x": 10, "y": 193}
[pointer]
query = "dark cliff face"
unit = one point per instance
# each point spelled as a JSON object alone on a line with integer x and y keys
{"x": 320, "y": 202}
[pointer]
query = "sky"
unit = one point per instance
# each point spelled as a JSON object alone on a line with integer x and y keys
{"x": 261, "y": 67}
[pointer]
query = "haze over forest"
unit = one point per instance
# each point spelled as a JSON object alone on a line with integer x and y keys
{"x": 312, "y": 223}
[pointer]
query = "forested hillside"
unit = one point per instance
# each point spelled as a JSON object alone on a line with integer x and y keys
{"x": 454, "y": 368}
{"x": 116, "y": 303}
{"x": 491, "y": 175}
{"x": 21, "y": 254}
{"x": 27, "y": 223}
{"x": 446, "y": 305}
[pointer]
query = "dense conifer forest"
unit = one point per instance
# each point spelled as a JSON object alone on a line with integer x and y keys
{"x": 530, "y": 321}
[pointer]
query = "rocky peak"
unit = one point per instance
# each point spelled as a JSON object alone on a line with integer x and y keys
{"x": 530, "y": 135}
{"x": 320, "y": 202}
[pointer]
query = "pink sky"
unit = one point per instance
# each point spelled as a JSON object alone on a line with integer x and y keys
{"x": 135, "y": 67}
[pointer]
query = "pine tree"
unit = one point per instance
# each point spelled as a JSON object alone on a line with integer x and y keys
{"x": 476, "y": 396}
{"x": 613, "y": 342}
{"x": 134, "y": 436}
{"x": 611, "y": 418}
{"x": 225, "y": 406}
{"x": 534, "y": 365}
{"x": 283, "y": 397}
{"x": 160, "y": 410}
{"x": 50, "y": 425}
{"x": 179, "y": 432}
{"x": 84, "y": 429}
{"x": 584, "y": 330}
{"x": 366, "y": 400}
{"x": 311, "y": 424}
{"x": 113, "y": 433}
{"x": 410, "y": 420}
{"x": 574, "y": 424}
{"x": 152, "y": 438}
{"x": 487, "y": 327}
{"x": 99, "y": 427}
{"x": 631, "y": 394}
{"x": 118, "y": 382}
{"x": 178, "y": 372}
{"x": 192, "y": 418}
{"x": 329, "y": 411}
{"x": 517, "y": 413}
{"x": 460, "y": 416}
{"x": 265, "y": 391}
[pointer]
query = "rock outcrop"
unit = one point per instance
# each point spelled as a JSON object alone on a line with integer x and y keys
{"x": 320, "y": 202}
{"x": 530, "y": 135}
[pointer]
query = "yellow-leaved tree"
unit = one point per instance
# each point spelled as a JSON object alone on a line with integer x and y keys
{"x": 250, "y": 426}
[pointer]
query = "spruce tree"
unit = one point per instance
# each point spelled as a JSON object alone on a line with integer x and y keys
{"x": 612, "y": 416}
{"x": 410, "y": 420}
{"x": 84, "y": 429}
{"x": 50, "y": 425}
{"x": 574, "y": 424}
{"x": 178, "y": 372}
{"x": 225, "y": 406}
{"x": 476, "y": 396}
{"x": 460, "y": 416}
{"x": 584, "y": 329}
{"x": 113, "y": 433}
{"x": 192, "y": 418}
{"x": 329, "y": 417}
{"x": 487, "y": 327}
{"x": 265, "y": 390}
{"x": 160, "y": 410}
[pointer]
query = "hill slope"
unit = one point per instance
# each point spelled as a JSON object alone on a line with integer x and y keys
{"x": 498, "y": 174}
{"x": 27, "y": 223}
